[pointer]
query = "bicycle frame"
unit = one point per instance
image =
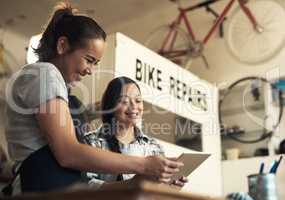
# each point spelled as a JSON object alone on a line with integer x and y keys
{"x": 182, "y": 17}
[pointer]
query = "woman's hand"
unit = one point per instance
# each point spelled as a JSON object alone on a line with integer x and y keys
{"x": 161, "y": 168}
{"x": 180, "y": 182}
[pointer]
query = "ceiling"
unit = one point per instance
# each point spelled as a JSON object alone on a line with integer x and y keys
{"x": 27, "y": 17}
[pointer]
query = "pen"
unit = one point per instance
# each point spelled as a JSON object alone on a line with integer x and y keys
{"x": 277, "y": 164}
{"x": 261, "y": 168}
{"x": 273, "y": 167}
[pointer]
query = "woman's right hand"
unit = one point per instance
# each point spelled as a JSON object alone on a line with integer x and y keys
{"x": 161, "y": 168}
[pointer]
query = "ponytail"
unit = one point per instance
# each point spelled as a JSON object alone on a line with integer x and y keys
{"x": 65, "y": 22}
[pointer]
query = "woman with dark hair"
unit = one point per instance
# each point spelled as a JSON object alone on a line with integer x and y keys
{"x": 122, "y": 110}
{"x": 39, "y": 130}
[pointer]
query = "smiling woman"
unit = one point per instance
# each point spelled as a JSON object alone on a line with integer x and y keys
{"x": 39, "y": 130}
{"x": 122, "y": 110}
{"x": 73, "y": 43}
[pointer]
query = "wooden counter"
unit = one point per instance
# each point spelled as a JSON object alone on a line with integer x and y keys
{"x": 137, "y": 191}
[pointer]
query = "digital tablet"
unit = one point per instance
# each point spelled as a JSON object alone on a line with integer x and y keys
{"x": 191, "y": 162}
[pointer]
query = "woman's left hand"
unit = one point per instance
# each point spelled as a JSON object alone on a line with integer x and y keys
{"x": 180, "y": 182}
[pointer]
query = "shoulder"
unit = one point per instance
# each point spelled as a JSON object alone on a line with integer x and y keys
{"x": 37, "y": 83}
{"x": 43, "y": 70}
{"x": 39, "y": 66}
{"x": 95, "y": 138}
{"x": 144, "y": 137}
{"x": 152, "y": 141}
{"x": 152, "y": 144}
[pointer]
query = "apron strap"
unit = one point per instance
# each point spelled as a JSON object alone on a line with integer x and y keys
{"x": 8, "y": 189}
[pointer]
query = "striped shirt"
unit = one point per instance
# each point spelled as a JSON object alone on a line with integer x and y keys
{"x": 142, "y": 146}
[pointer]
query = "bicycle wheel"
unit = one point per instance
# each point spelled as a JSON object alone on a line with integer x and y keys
{"x": 253, "y": 47}
{"x": 178, "y": 51}
{"x": 246, "y": 99}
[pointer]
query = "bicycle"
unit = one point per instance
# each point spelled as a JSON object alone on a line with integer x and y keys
{"x": 254, "y": 34}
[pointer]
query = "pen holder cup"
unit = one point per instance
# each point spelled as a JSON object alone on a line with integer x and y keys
{"x": 262, "y": 187}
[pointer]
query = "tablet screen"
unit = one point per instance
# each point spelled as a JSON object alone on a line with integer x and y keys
{"x": 191, "y": 162}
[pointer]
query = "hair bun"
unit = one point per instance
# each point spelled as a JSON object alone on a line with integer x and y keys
{"x": 63, "y": 9}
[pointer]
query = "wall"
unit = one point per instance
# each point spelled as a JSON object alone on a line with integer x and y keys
{"x": 224, "y": 69}
{"x": 16, "y": 44}
{"x": 164, "y": 120}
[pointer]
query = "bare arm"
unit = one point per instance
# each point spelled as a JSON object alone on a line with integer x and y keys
{"x": 56, "y": 124}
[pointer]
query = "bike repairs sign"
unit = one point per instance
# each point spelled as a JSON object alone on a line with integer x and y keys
{"x": 162, "y": 82}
